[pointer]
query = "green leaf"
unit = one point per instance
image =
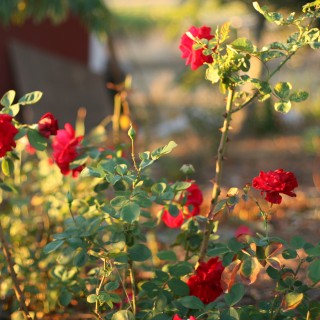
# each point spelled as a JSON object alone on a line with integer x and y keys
{"x": 235, "y": 294}
{"x": 151, "y": 289}
{"x": 180, "y": 269}
{"x": 92, "y": 298}
{"x": 112, "y": 285}
{"x": 282, "y": 106}
{"x": 8, "y": 187}
{"x": 291, "y": 301}
{"x": 130, "y": 212}
{"x": 173, "y": 210}
{"x": 229, "y": 314}
{"x": 282, "y": 90}
{"x": 220, "y": 206}
{"x": 167, "y": 255}
{"x": 7, "y": 166}
{"x": 218, "y": 251}
{"x": 224, "y": 32}
{"x": 178, "y": 287}
{"x": 234, "y": 245}
{"x": 181, "y": 185}
{"x": 52, "y": 246}
{"x": 299, "y": 96}
{"x": 65, "y": 298}
{"x": 243, "y": 44}
{"x": 158, "y": 153}
{"x": 314, "y": 271}
{"x": 212, "y": 73}
{"x": 139, "y": 252}
{"x": 191, "y": 302}
{"x": 158, "y": 188}
{"x": 123, "y": 315}
{"x": 8, "y": 98}
{"x": 297, "y": 242}
{"x": 81, "y": 160}
{"x": 289, "y": 254}
{"x": 30, "y": 98}
{"x": 257, "y": 7}
{"x": 270, "y": 55}
{"x": 80, "y": 258}
{"x": 120, "y": 201}
{"x": 37, "y": 140}
{"x": 313, "y": 252}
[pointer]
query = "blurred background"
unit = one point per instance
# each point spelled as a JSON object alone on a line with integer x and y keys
{"x": 83, "y": 54}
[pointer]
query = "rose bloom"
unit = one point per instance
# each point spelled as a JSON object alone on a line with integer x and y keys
{"x": 65, "y": 146}
{"x": 272, "y": 183}
{"x": 190, "y": 209}
{"x": 48, "y": 125}
{"x": 176, "y": 317}
{"x": 195, "y": 58}
{"x": 205, "y": 283}
{"x": 7, "y": 133}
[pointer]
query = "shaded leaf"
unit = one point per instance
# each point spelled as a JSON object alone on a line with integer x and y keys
{"x": 314, "y": 271}
{"x": 235, "y": 294}
{"x": 191, "y": 302}
{"x": 52, "y": 246}
{"x": 139, "y": 252}
{"x": 37, "y": 140}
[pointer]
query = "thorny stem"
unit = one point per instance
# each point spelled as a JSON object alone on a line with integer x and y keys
{"x": 99, "y": 288}
{"x": 121, "y": 281}
{"x": 16, "y": 286}
{"x": 133, "y": 285}
{"x": 218, "y": 174}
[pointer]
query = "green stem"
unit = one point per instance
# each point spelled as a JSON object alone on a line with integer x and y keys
{"x": 218, "y": 174}
{"x": 133, "y": 285}
{"x": 99, "y": 287}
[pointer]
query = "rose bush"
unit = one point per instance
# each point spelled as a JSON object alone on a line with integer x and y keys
{"x": 95, "y": 246}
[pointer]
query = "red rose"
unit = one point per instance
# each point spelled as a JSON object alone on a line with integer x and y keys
{"x": 193, "y": 199}
{"x": 195, "y": 57}
{"x": 48, "y": 125}
{"x": 205, "y": 284}
{"x": 7, "y": 133}
{"x": 272, "y": 183}
{"x": 176, "y": 317}
{"x": 65, "y": 146}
